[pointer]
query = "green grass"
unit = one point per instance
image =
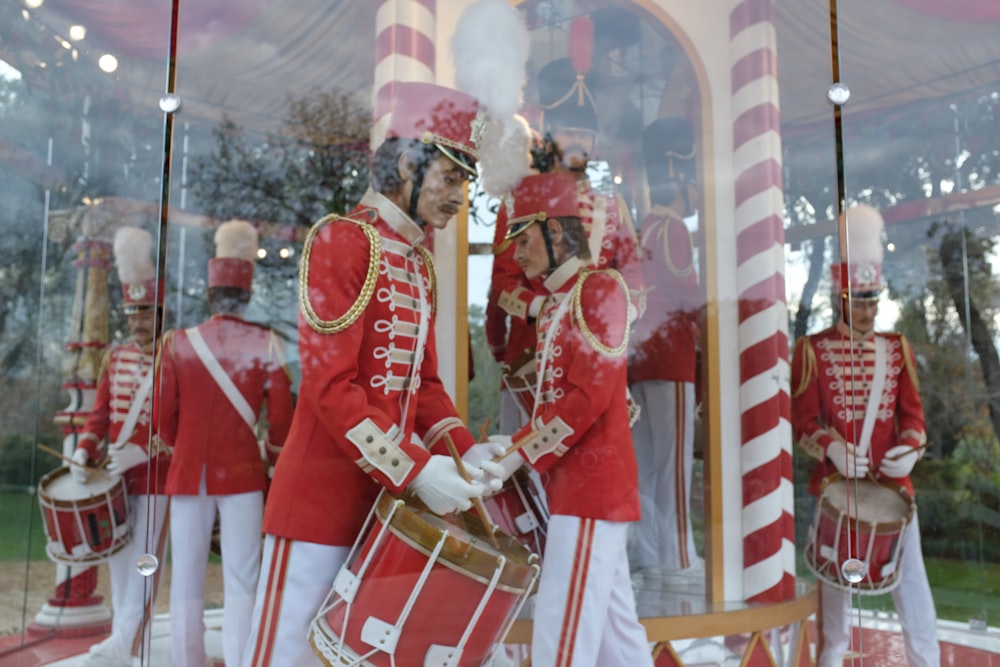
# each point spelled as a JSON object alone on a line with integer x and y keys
{"x": 21, "y": 524}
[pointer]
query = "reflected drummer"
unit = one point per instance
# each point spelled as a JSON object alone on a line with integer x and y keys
{"x": 370, "y": 386}
{"x": 578, "y": 434}
{"x": 858, "y": 422}
{"x": 121, "y": 413}
{"x": 214, "y": 382}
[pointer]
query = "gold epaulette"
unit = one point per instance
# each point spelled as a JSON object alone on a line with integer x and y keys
{"x": 367, "y": 289}
{"x": 431, "y": 275}
{"x": 908, "y": 362}
{"x": 600, "y": 347}
{"x": 808, "y": 364}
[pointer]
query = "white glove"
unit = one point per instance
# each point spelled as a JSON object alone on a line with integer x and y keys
{"x": 899, "y": 461}
{"x": 844, "y": 456}
{"x": 79, "y": 470}
{"x": 481, "y": 456}
{"x": 442, "y": 488}
{"x": 127, "y": 456}
{"x": 510, "y": 463}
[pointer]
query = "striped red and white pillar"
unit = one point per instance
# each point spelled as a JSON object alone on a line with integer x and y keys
{"x": 768, "y": 525}
{"x": 405, "y": 36}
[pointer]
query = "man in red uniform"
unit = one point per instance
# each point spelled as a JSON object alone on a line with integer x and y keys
{"x": 662, "y": 360}
{"x": 370, "y": 387}
{"x": 578, "y": 436}
{"x": 214, "y": 381}
{"x": 856, "y": 409}
{"x": 121, "y": 414}
{"x": 568, "y": 142}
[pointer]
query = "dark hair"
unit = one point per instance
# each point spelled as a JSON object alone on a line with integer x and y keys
{"x": 227, "y": 300}
{"x": 574, "y": 237}
{"x": 385, "y": 163}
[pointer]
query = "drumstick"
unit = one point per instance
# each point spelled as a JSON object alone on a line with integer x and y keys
{"x": 484, "y": 430}
{"x": 58, "y": 455}
{"x": 478, "y": 502}
{"x": 899, "y": 456}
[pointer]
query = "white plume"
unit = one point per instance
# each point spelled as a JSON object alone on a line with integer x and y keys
{"x": 504, "y": 157}
{"x": 490, "y": 48}
{"x": 132, "y": 248}
{"x": 236, "y": 238}
{"x": 861, "y": 235}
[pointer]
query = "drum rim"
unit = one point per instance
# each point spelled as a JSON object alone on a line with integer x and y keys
{"x": 409, "y": 527}
{"x": 878, "y": 527}
{"x": 63, "y": 471}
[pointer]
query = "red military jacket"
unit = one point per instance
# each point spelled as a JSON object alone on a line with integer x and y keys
{"x": 122, "y": 371}
{"x": 194, "y": 415}
{"x": 830, "y": 388}
{"x": 579, "y": 436}
{"x": 370, "y": 385}
{"x": 665, "y": 337}
{"x": 608, "y": 226}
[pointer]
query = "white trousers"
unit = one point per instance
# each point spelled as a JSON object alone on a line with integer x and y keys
{"x": 914, "y": 605}
{"x": 585, "y": 612}
{"x": 133, "y": 596}
{"x": 664, "y": 451}
{"x": 193, "y": 517}
{"x": 295, "y": 580}
{"x": 512, "y": 413}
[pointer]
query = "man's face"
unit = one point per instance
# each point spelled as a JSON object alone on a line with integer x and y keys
{"x": 863, "y": 312}
{"x": 530, "y": 252}
{"x": 143, "y": 326}
{"x": 442, "y": 193}
{"x": 575, "y": 145}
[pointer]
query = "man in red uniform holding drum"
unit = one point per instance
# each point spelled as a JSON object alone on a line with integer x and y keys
{"x": 578, "y": 437}
{"x": 214, "y": 382}
{"x": 569, "y": 141}
{"x": 371, "y": 409}
{"x": 662, "y": 362}
{"x": 856, "y": 409}
{"x": 121, "y": 414}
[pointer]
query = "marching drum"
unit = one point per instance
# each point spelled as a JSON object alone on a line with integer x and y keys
{"x": 520, "y": 510}
{"x": 421, "y": 589}
{"x": 84, "y": 523}
{"x": 861, "y": 519}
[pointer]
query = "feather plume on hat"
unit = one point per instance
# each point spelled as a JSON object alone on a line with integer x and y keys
{"x": 132, "y": 247}
{"x": 495, "y": 76}
{"x": 237, "y": 239}
{"x": 861, "y": 252}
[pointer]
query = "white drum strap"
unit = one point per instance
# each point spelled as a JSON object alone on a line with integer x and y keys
{"x": 138, "y": 400}
{"x": 598, "y": 228}
{"x": 237, "y": 399}
{"x": 874, "y": 397}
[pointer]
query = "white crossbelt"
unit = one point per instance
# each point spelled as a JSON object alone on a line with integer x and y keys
{"x": 874, "y": 397}
{"x": 138, "y": 400}
{"x": 221, "y": 378}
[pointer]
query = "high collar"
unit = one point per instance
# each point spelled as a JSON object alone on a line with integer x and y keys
{"x": 400, "y": 223}
{"x": 847, "y": 332}
{"x": 559, "y": 279}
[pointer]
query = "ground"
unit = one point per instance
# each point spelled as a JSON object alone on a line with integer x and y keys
{"x": 20, "y": 603}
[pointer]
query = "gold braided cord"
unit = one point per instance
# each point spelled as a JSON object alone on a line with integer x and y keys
{"x": 431, "y": 275}
{"x": 669, "y": 260}
{"x": 808, "y": 365}
{"x": 367, "y": 288}
{"x": 601, "y": 348}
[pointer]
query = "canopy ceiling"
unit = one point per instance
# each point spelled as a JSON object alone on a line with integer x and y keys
{"x": 245, "y": 58}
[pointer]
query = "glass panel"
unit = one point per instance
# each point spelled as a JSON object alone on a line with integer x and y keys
{"x": 915, "y": 146}
{"x": 704, "y": 141}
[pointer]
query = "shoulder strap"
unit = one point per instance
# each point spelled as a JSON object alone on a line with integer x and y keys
{"x": 221, "y": 378}
{"x": 128, "y": 426}
{"x": 874, "y": 395}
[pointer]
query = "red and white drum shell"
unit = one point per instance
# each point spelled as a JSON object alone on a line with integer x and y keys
{"x": 864, "y": 519}
{"x": 422, "y": 589}
{"x": 84, "y": 523}
{"x": 520, "y": 510}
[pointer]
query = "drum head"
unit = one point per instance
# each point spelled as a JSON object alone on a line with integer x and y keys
{"x": 867, "y": 500}
{"x": 59, "y": 485}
